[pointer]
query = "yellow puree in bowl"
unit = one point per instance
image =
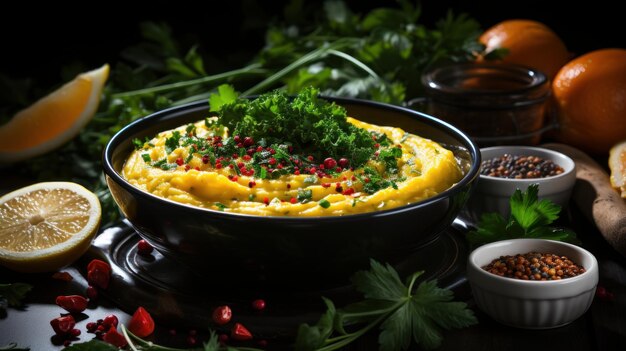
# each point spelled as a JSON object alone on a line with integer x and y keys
{"x": 425, "y": 169}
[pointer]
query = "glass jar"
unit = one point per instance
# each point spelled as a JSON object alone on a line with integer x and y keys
{"x": 495, "y": 104}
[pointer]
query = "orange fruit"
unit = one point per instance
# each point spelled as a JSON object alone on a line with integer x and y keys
{"x": 590, "y": 97}
{"x": 530, "y": 44}
{"x": 617, "y": 165}
{"x": 46, "y": 226}
{"x": 54, "y": 119}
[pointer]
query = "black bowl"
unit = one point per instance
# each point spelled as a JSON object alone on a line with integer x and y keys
{"x": 245, "y": 250}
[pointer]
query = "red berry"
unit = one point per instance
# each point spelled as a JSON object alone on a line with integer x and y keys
{"x": 247, "y": 141}
{"x": 63, "y": 325}
{"x": 293, "y": 200}
{"x": 75, "y": 332}
{"x": 72, "y": 303}
{"x": 222, "y": 315}
{"x": 237, "y": 138}
{"x": 141, "y": 324}
{"x": 239, "y": 332}
{"x": 114, "y": 338}
{"x": 258, "y": 304}
{"x": 343, "y": 162}
{"x": 144, "y": 248}
{"x": 180, "y": 161}
{"x": 110, "y": 320}
{"x": 91, "y": 327}
{"x": 272, "y": 161}
{"x": 330, "y": 163}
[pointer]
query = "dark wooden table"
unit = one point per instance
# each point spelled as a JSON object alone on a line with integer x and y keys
{"x": 603, "y": 327}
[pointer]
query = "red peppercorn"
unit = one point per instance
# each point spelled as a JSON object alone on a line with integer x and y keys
{"x": 141, "y": 324}
{"x": 330, "y": 163}
{"x": 114, "y": 338}
{"x": 72, "y": 303}
{"x": 259, "y": 304}
{"x": 377, "y": 145}
{"x": 343, "y": 162}
{"x": 222, "y": 315}
{"x": 218, "y": 165}
{"x": 236, "y": 138}
{"x": 293, "y": 200}
{"x": 110, "y": 320}
{"x": 246, "y": 157}
{"x": 296, "y": 172}
{"x": 239, "y": 332}
{"x": 91, "y": 327}
{"x": 259, "y": 149}
{"x": 144, "y": 248}
{"x": 252, "y": 184}
{"x": 313, "y": 170}
{"x": 272, "y": 161}
{"x": 310, "y": 158}
{"x": 187, "y": 167}
{"x": 63, "y": 325}
{"x": 266, "y": 201}
{"x": 247, "y": 141}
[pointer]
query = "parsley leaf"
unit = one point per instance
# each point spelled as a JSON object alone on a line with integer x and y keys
{"x": 14, "y": 293}
{"x": 530, "y": 218}
{"x": 225, "y": 95}
{"x": 172, "y": 142}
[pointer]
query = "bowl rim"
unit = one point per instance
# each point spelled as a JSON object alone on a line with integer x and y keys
{"x": 589, "y": 271}
{"x": 568, "y": 169}
{"x": 136, "y": 125}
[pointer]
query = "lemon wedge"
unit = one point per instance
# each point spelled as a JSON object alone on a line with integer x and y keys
{"x": 46, "y": 226}
{"x": 617, "y": 165}
{"x": 54, "y": 119}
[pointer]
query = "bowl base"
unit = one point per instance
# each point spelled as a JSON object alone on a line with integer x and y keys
{"x": 176, "y": 296}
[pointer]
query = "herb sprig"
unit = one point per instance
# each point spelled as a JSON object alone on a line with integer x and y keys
{"x": 530, "y": 218}
{"x": 13, "y": 294}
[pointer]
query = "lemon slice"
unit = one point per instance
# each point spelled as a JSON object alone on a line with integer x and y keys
{"x": 46, "y": 226}
{"x": 54, "y": 119}
{"x": 617, "y": 165}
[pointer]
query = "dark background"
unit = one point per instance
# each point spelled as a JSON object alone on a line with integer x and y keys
{"x": 36, "y": 40}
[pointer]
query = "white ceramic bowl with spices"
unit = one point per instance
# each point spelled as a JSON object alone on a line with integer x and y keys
{"x": 532, "y": 304}
{"x": 492, "y": 194}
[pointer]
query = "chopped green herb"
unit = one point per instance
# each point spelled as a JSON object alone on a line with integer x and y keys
{"x": 530, "y": 218}
{"x": 304, "y": 196}
{"x": 324, "y": 203}
{"x": 138, "y": 144}
{"x": 172, "y": 142}
{"x": 312, "y": 179}
{"x": 189, "y": 158}
{"x": 191, "y": 129}
{"x": 146, "y": 158}
{"x": 251, "y": 197}
{"x": 220, "y": 206}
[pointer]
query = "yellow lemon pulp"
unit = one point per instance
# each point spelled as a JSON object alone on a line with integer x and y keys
{"x": 54, "y": 119}
{"x": 46, "y": 226}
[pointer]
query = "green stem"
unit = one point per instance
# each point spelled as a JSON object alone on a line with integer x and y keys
{"x": 251, "y": 69}
{"x": 355, "y": 62}
{"x": 307, "y": 58}
{"x": 340, "y": 341}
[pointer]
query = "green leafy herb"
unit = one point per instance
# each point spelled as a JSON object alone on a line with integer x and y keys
{"x": 138, "y": 144}
{"x": 312, "y": 179}
{"x": 14, "y": 293}
{"x": 324, "y": 203}
{"x": 146, "y": 158}
{"x": 304, "y": 195}
{"x": 373, "y": 181}
{"x": 220, "y": 206}
{"x": 172, "y": 142}
{"x": 530, "y": 218}
{"x": 313, "y": 125}
{"x": 403, "y": 313}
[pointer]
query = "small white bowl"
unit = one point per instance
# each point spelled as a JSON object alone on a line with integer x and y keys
{"x": 492, "y": 194}
{"x": 526, "y": 303}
